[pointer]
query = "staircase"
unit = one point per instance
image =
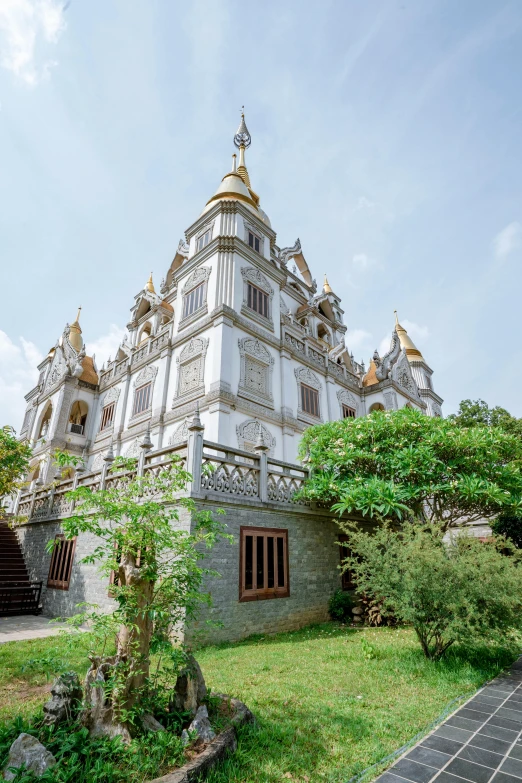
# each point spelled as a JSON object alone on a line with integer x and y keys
{"x": 18, "y": 595}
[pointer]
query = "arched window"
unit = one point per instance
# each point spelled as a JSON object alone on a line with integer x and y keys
{"x": 145, "y": 332}
{"x": 377, "y": 406}
{"x": 323, "y": 334}
{"x": 46, "y": 421}
{"x": 78, "y": 417}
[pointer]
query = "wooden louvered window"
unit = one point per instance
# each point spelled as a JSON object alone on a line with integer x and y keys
{"x": 194, "y": 300}
{"x": 257, "y": 300}
{"x": 107, "y": 416}
{"x": 142, "y": 399}
{"x": 348, "y": 412}
{"x": 61, "y": 563}
{"x": 263, "y": 564}
{"x": 309, "y": 400}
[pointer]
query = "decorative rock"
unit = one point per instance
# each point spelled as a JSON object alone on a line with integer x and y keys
{"x": 357, "y": 619}
{"x": 190, "y": 688}
{"x": 150, "y": 723}
{"x": 26, "y": 750}
{"x": 201, "y": 725}
{"x": 65, "y": 699}
{"x": 357, "y": 610}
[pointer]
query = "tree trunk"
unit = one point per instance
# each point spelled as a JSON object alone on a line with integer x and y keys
{"x": 114, "y": 684}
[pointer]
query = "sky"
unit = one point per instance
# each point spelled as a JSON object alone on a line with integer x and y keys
{"x": 385, "y": 135}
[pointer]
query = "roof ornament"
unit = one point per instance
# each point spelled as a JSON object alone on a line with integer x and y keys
{"x": 242, "y": 137}
{"x": 149, "y": 285}
{"x": 396, "y": 318}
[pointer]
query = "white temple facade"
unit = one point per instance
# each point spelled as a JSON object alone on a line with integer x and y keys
{"x": 238, "y": 328}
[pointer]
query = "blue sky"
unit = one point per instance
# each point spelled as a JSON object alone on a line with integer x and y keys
{"x": 386, "y": 135}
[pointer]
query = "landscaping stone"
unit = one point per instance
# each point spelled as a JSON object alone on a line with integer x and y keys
{"x": 190, "y": 688}
{"x": 66, "y": 696}
{"x": 150, "y": 723}
{"x": 357, "y": 610}
{"x": 26, "y": 750}
{"x": 201, "y": 725}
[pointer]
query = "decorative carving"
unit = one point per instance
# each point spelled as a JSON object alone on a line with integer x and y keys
{"x": 256, "y": 363}
{"x": 147, "y": 374}
{"x": 347, "y": 398}
{"x": 282, "y": 489}
{"x": 200, "y": 275}
{"x": 402, "y": 375}
{"x": 384, "y": 366}
{"x": 180, "y": 434}
{"x": 133, "y": 450}
{"x": 191, "y": 373}
{"x": 227, "y": 479}
{"x": 248, "y": 433}
{"x": 390, "y": 401}
{"x": 258, "y": 279}
{"x": 97, "y": 462}
{"x": 112, "y": 395}
{"x": 289, "y": 252}
{"x": 183, "y": 248}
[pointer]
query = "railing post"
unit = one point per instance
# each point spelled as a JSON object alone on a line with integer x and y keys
{"x": 77, "y": 475}
{"x": 146, "y": 445}
{"x": 36, "y": 483}
{"x": 107, "y": 462}
{"x": 195, "y": 451}
{"x": 261, "y": 449}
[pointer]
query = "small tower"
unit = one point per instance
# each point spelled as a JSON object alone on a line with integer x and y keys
{"x": 421, "y": 370}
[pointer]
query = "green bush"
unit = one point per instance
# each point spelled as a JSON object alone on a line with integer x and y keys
{"x": 460, "y": 590}
{"x": 340, "y": 606}
{"x": 510, "y": 527}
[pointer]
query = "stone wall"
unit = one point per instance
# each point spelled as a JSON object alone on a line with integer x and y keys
{"x": 313, "y": 556}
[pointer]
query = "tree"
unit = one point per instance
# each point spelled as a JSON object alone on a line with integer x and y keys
{"x": 509, "y": 526}
{"x": 14, "y": 461}
{"x": 402, "y": 464}
{"x": 473, "y": 412}
{"x": 156, "y": 558}
{"x": 460, "y": 590}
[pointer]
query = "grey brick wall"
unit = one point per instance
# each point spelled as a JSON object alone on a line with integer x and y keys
{"x": 313, "y": 568}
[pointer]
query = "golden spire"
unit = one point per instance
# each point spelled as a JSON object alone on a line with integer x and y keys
{"x": 149, "y": 286}
{"x": 326, "y": 286}
{"x": 412, "y": 352}
{"x": 75, "y": 333}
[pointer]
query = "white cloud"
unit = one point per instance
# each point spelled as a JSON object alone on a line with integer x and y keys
{"x": 357, "y": 340}
{"x": 365, "y": 203}
{"x": 18, "y": 375}
{"x": 27, "y": 29}
{"x": 106, "y": 345}
{"x": 507, "y": 240}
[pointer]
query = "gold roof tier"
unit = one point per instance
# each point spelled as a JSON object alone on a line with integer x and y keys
{"x": 75, "y": 333}
{"x": 232, "y": 186}
{"x": 412, "y": 352}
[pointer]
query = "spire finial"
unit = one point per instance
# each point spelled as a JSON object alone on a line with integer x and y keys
{"x": 396, "y": 318}
{"x": 242, "y": 137}
{"x": 78, "y": 314}
{"x": 149, "y": 286}
{"x": 326, "y": 286}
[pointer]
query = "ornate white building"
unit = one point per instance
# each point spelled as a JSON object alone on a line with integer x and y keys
{"x": 238, "y": 328}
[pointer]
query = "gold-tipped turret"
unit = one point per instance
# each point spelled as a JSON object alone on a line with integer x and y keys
{"x": 75, "y": 333}
{"x": 412, "y": 352}
{"x": 149, "y": 286}
{"x": 326, "y": 286}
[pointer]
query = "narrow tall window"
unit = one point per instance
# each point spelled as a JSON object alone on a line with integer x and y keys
{"x": 263, "y": 570}
{"x": 254, "y": 241}
{"x": 348, "y": 413}
{"x": 309, "y": 400}
{"x": 61, "y": 563}
{"x": 203, "y": 240}
{"x": 107, "y": 416}
{"x": 142, "y": 399}
{"x": 257, "y": 300}
{"x": 193, "y": 300}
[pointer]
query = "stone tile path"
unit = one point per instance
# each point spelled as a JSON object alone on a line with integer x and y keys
{"x": 480, "y": 743}
{"x": 16, "y": 629}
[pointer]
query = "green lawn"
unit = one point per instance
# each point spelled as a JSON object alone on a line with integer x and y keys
{"x": 324, "y": 709}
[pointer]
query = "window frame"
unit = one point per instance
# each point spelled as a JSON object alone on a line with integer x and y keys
{"x": 260, "y": 295}
{"x": 348, "y": 411}
{"x": 60, "y": 561}
{"x": 138, "y": 394}
{"x": 255, "y": 237}
{"x": 200, "y": 240}
{"x": 104, "y": 424}
{"x": 188, "y": 298}
{"x": 313, "y": 395}
{"x": 265, "y": 593}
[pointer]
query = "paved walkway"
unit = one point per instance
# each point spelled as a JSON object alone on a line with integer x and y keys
{"x": 28, "y": 626}
{"x": 480, "y": 743}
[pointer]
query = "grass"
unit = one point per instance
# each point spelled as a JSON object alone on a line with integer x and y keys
{"x": 329, "y": 700}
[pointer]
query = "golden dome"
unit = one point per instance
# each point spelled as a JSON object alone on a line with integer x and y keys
{"x": 75, "y": 333}
{"x": 149, "y": 285}
{"x": 232, "y": 186}
{"x": 412, "y": 352}
{"x": 326, "y": 286}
